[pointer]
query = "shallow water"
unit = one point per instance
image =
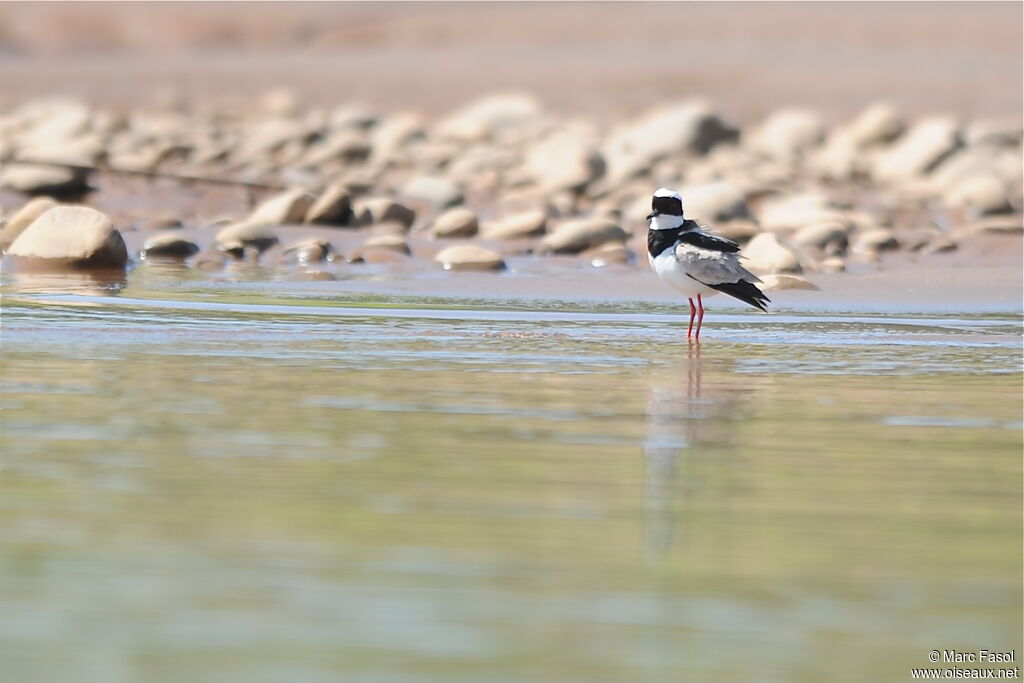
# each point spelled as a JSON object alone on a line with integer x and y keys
{"x": 212, "y": 482}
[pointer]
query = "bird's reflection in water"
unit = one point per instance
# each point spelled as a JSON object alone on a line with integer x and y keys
{"x": 683, "y": 418}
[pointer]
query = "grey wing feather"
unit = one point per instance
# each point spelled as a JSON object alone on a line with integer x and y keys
{"x": 712, "y": 267}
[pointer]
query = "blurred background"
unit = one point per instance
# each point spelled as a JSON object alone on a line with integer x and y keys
{"x": 961, "y": 58}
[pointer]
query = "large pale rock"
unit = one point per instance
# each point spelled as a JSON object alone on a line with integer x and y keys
{"x": 918, "y": 153}
{"x": 372, "y": 210}
{"x": 788, "y": 134}
{"x": 343, "y": 147}
{"x": 796, "y": 211}
{"x": 394, "y": 134}
{"x": 1002, "y": 131}
{"x": 71, "y": 236}
{"x": 333, "y": 207}
{"x": 489, "y": 116}
{"x": 470, "y": 257}
{"x": 714, "y": 202}
{"x": 765, "y": 254}
{"x": 575, "y": 236}
{"x": 44, "y": 179}
{"x": 689, "y": 128}
{"x": 169, "y": 245}
{"x": 457, "y": 222}
{"x": 518, "y": 226}
{"x": 240, "y": 235}
{"x": 290, "y": 206}
{"x": 22, "y": 218}
{"x": 434, "y": 190}
{"x": 981, "y": 195}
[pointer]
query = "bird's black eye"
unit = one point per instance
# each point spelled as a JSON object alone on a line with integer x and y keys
{"x": 668, "y": 205}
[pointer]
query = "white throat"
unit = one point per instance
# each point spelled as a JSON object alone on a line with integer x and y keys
{"x": 666, "y": 222}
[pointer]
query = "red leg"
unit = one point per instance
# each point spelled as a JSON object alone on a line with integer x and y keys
{"x": 693, "y": 312}
{"x": 700, "y": 316}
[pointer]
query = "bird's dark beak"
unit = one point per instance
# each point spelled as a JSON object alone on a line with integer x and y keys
{"x": 652, "y": 214}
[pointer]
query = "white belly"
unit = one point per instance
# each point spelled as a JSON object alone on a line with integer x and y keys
{"x": 667, "y": 268}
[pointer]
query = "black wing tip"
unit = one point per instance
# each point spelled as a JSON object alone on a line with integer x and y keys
{"x": 747, "y": 292}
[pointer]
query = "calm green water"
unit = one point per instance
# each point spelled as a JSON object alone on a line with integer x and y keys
{"x": 220, "y": 485}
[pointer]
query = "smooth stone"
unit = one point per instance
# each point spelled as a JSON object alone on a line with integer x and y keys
{"x": 879, "y": 124}
{"x": 689, "y": 128}
{"x": 776, "y": 282}
{"x": 333, "y": 207}
{"x": 469, "y": 257}
{"x": 518, "y": 226}
{"x": 874, "y": 241}
{"x": 940, "y": 245}
{"x": 457, "y": 222}
{"x": 344, "y": 147}
{"x": 610, "y": 254}
{"x": 787, "y": 134}
{"x": 74, "y": 236}
{"x": 982, "y": 195}
{"x": 433, "y": 190}
{"x": 287, "y": 207}
{"x": 765, "y": 254}
{"x": 312, "y": 250}
{"x": 163, "y": 223}
{"x": 567, "y": 159}
{"x": 392, "y": 242}
{"x": 22, "y": 218}
{"x": 737, "y": 230}
{"x": 714, "y": 202}
{"x": 246, "y": 234}
{"x": 832, "y": 236}
{"x": 381, "y": 249}
{"x": 372, "y": 210}
{"x": 574, "y": 236}
{"x": 1000, "y": 131}
{"x": 489, "y": 116}
{"x": 169, "y": 245}
{"x": 832, "y": 265}
{"x": 918, "y": 152}
{"x": 44, "y": 179}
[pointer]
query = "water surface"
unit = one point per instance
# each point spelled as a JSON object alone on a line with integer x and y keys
{"x": 214, "y": 483}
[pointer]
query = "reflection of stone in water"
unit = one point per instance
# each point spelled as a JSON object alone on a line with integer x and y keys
{"x": 88, "y": 282}
{"x": 679, "y": 418}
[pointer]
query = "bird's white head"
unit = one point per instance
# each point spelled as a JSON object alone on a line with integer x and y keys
{"x": 667, "y": 210}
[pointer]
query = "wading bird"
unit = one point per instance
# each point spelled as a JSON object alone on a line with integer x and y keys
{"x": 696, "y": 263}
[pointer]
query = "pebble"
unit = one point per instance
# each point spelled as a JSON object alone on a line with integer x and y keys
{"x": 981, "y": 195}
{"x": 312, "y": 250}
{"x": 381, "y": 249}
{"x": 1008, "y": 225}
{"x": 610, "y": 254}
{"x": 168, "y": 245}
{"x": 919, "y": 152}
{"x": 284, "y": 208}
{"x": 568, "y": 159}
{"x": 776, "y": 282}
{"x": 714, "y": 202}
{"x": 470, "y": 257}
{"x": 23, "y": 217}
{"x": 371, "y": 210}
{"x": 457, "y": 222}
{"x": 879, "y": 124}
{"x": 766, "y": 254}
{"x": 787, "y": 134}
{"x": 71, "y": 236}
{"x": 44, "y": 179}
{"x": 488, "y": 117}
{"x": 874, "y": 241}
{"x": 832, "y": 265}
{"x": 574, "y": 236}
{"x": 246, "y": 234}
{"x": 830, "y": 236}
{"x": 518, "y": 226}
{"x": 333, "y": 207}
{"x": 436, "y": 191}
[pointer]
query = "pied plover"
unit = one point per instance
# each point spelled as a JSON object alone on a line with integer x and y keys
{"x": 695, "y": 262}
